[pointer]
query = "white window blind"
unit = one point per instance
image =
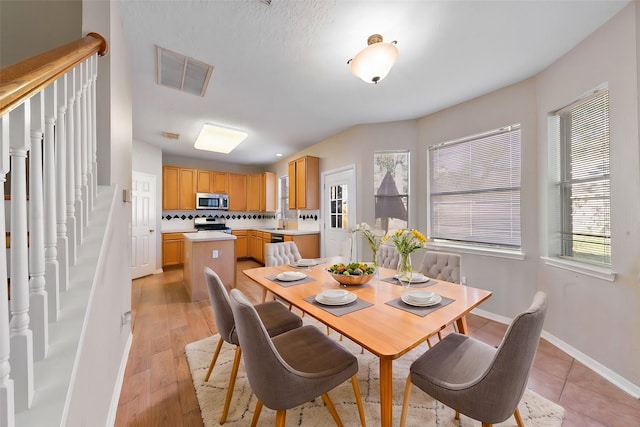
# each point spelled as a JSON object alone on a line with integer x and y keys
{"x": 585, "y": 190}
{"x": 474, "y": 189}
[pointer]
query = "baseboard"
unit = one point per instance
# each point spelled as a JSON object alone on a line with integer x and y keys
{"x": 615, "y": 379}
{"x": 113, "y": 408}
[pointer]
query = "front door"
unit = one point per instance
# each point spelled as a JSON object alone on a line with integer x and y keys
{"x": 339, "y": 213}
{"x": 143, "y": 223}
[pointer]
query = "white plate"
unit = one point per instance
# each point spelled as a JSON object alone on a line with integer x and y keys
{"x": 291, "y": 276}
{"x": 435, "y": 300}
{"x": 348, "y": 298}
{"x": 417, "y": 278}
{"x": 334, "y": 295}
{"x": 420, "y": 296}
{"x": 313, "y": 263}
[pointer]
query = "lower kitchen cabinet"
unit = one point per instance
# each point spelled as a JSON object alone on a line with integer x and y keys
{"x": 308, "y": 244}
{"x": 242, "y": 244}
{"x": 172, "y": 249}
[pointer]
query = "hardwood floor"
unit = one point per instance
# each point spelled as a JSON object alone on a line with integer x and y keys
{"x": 157, "y": 388}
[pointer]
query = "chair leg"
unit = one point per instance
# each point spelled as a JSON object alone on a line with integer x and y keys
{"x": 518, "y": 418}
{"x": 332, "y": 410}
{"x": 232, "y": 383}
{"x": 256, "y": 413}
{"x": 405, "y": 401}
{"x": 356, "y": 392}
{"x": 213, "y": 359}
{"x": 281, "y": 416}
{"x": 457, "y": 417}
{"x": 429, "y": 342}
{"x": 486, "y": 424}
{"x": 439, "y": 336}
{"x": 264, "y": 295}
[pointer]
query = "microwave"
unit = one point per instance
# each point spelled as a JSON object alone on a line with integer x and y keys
{"x": 212, "y": 201}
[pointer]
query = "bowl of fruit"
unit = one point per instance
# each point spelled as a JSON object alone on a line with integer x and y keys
{"x": 352, "y": 274}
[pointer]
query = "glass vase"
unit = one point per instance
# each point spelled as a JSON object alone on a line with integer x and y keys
{"x": 405, "y": 271}
{"x": 376, "y": 273}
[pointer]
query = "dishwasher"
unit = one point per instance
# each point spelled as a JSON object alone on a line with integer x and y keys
{"x": 277, "y": 238}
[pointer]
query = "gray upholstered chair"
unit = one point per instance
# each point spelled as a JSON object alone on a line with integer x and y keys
{"x": 276, "y": 318}
{"x": 388, "y": 256}
{"x": 476, "y": 379}
{"x": 442, "y": 266}
{"x": 292, "y": 368}
{"x": 279, "y": 254}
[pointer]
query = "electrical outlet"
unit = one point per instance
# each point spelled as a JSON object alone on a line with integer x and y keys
{"x": 214, "y": 253}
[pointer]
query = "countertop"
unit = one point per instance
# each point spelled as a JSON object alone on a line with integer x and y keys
{"x": 208, "y": 236}
{"x": 283, "y": 232}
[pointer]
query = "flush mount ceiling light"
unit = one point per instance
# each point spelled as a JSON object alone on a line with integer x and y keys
{"x": 374, "y": 62}
{"x": 219, "y": 139}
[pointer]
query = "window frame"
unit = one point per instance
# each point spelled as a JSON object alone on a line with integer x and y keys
{"x": 404, "y": 197}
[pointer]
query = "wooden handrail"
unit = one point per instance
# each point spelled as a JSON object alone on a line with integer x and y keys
{"x": 26, "y": 78}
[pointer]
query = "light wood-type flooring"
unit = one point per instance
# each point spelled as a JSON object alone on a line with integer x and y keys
{"x": 158, "y": 391}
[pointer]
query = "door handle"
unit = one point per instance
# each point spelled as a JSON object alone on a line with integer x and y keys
{"x": 151, "y": 230}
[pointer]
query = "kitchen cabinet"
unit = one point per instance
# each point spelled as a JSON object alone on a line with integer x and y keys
{"x": 242, "y": 248}
{"x": 178, "y": 188}
{"x": 261, "y": 192}
{"x": 304, "y": 183}
{"x": 212, "y": 182}
{"x": 308, "y": 244}
{"x": 257, "y": 240}
{"x": 172, "y": 249}
{"x": 237, "y": 192}
{"x": 219, "y": 182}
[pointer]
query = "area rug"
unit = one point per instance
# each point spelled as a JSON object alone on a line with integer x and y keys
{"x": 423, "y": 410}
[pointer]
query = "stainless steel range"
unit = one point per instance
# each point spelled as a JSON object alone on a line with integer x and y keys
{"x": 211, "y": 224}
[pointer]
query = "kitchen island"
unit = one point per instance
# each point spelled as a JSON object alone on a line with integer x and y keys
{"x": 213, "y": 249}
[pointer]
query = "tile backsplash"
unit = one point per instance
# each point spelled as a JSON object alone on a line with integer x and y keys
{"x": 183, "y": 220}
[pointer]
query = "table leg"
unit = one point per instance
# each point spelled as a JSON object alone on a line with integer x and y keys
{"x": 462, "y": 325}
{"x": 386, "y": 392}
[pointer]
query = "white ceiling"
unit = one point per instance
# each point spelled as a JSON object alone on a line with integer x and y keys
{"x": 281, "y": 71}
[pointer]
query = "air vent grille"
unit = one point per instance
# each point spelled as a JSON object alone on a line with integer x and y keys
{"x": 181, "y": 72}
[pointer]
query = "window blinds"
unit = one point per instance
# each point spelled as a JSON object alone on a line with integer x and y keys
{"x": 474, "y": 189}
{"x": 585, "y": 188}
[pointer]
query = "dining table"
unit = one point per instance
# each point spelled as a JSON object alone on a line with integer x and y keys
{"x": 378, "y": 319}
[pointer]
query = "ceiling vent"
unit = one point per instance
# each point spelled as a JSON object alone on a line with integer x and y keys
{"x": 171, "y": 135}
{"x": 181, "y": 72}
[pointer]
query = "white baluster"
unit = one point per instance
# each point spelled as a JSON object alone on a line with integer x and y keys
{"x": 51, "y": 270}
{"x": 84, "y": 189}
{"x": 89, "y": 157}
{"x": 38, "y": 298}
{"x": 61, "y": 189}
{"x": 70, "y": 192}
{"x": 77, "y": 157}
{"x": 94, "y": 135}
{"x": 21, "y": 357}
{"x": 7, "y": 406}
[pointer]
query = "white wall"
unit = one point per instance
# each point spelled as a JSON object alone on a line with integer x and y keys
{"x": 600, "y": 318}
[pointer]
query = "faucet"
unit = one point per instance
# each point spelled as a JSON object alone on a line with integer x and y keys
{"x": 283, "y": 218}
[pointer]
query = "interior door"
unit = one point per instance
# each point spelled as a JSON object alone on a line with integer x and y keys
{"x": 143, "y": 223}
{"x": 339, "y": 213}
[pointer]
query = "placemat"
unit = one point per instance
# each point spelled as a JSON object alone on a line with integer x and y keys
{"x": 419, "y": 311}
{"x": 339, "y": 310}
{"x": 286, "y": 284}
{"x": 397, "y": 282}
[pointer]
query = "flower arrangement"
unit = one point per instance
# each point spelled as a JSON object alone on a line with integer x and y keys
{"x": 406, "y": 241}
{"x": 372, "y": 239}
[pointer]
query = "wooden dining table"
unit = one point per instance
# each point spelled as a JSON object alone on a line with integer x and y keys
{"x": 384, "y": 330}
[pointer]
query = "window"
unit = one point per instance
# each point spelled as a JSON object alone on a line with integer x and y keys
{"x": 474, "y": 189}
{"x": 391, "y": 189}
{"x": 583, "y": 187}
{"x": 339, "y": 202}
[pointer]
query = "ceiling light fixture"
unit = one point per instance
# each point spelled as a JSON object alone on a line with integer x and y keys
{"x": 219, "y": 139}
{"x": 374, "y": 62}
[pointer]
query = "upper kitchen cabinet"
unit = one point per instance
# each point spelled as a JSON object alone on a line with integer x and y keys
{"x": 178, "y": 188}
{"x": 304, "y": 183}
{"x": 219, "y": 182}
{"x": 261, "y": 192}
{"x": 212, "y": 182}
{"x": 237, "y": 192}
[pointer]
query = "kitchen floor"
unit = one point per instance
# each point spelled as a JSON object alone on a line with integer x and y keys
{"x": 157, "y": 388}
